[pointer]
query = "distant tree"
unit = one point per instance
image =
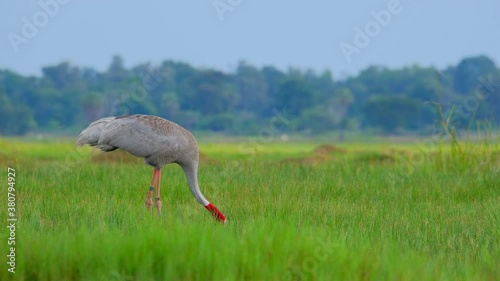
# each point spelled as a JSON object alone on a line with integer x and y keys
{"x": 92, "y": 106}
{"x": 63, "y": 88}
{"x": 328, "y": 115}
{"x": 61, "y": 75}
{"x": 314, "y": 120}
{"x": 4, "y": 107}
{"x": 359, "y": 92}
{"x": 391, "y": 113}
{"x": 169, "y": 105}
{"x": 214, "y": 93}
{"x": 15, "y": 120}
{"x": 66, "y": 97}
{"x": 273, "y": 78}
{"x": 252, "y": 88}
{"x": 295, "y": 95}
{"x": 323, "y": 83}
{"x": 469, "y": 70}
{"x": 339, "y": 105}
{"x": 116, "y": 72}
{"x": 424, "y": 89}
{"x": 218, "y": 122}
{"x": 49, "y": 107}
{"x": 178, "y": 78}
{"x": 377, "y": 78}
{"x": 341, "y": 102}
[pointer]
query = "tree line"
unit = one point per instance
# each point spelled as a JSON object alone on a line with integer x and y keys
{"x": 65, "y": 98}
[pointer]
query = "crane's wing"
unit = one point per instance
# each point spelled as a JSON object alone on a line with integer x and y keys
{"x": 93, "y": 132}
{"x": 139, "y": 135}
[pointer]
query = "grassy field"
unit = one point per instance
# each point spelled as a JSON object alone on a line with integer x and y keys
{"x": 296, "y": 211}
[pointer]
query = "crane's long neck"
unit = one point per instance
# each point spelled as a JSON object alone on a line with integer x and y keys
{"x": 191, "y": 172}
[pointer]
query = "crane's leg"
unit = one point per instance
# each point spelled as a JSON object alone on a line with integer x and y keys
{"x": 149, "y": 202}
{"x": 157, "y": 199}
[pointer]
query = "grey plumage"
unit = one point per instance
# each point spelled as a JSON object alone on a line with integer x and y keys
{"x": 155, "y": 139}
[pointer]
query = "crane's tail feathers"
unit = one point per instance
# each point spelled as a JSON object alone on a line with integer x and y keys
{"x": 92, "y": 133}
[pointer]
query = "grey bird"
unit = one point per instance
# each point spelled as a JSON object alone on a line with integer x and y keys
{"x": 158, "y": 141}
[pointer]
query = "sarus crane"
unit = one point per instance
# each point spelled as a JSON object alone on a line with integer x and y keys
{"x": 158, "y": 141}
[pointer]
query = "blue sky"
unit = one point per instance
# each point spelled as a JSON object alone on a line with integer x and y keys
{"x": 280, "y": 33}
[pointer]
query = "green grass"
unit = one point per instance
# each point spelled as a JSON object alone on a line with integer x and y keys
{"x": 353, "y": 215}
